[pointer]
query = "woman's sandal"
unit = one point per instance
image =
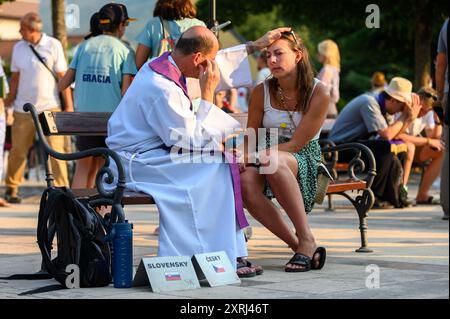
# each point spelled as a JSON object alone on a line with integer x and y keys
{"x": 300, "y": 260}
{"x": 323, "y": 256}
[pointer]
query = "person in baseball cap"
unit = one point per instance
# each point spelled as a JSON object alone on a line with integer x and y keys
{"x": 94, "y": 27}
{"x": 102, "y": 69}
{"x": 112, "y": 15}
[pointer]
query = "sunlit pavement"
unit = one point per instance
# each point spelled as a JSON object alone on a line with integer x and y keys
{"x": 411, "y": 256}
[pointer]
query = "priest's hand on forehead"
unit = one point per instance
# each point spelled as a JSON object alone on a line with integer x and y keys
{"x": 209, "y": 77}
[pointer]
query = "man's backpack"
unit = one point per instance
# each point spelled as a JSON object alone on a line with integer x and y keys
{"x": 80, "y": 238}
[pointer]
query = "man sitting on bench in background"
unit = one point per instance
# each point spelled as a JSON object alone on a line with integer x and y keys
{"x": 366, "y": 117}
{"x": 198, "y": 209}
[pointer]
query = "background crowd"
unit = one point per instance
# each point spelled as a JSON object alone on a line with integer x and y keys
{"x": 104, "y": 65}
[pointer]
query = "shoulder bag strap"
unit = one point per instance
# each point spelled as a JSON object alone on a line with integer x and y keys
{"x": 43, "y": 62}
{"x": 165, "y": 29}
{"x": 61, "y": 99}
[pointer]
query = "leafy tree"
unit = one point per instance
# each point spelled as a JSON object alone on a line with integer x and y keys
{"x": 404, "y": 45}
{"x": 59, "y": 22}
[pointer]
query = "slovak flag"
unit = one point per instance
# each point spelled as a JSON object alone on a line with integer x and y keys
{"x": 218, "y": 268}
{"x": 171, "y": 276}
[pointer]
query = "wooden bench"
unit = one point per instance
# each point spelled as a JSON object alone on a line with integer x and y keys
{"x": 91, "y": 124}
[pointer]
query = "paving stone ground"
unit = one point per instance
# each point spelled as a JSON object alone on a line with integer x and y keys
{"x": 411, "y": 252}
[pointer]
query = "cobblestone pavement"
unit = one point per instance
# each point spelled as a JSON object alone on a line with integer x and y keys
{"x": 411, "y": 252}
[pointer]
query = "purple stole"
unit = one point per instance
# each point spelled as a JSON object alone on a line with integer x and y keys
{"x": 163, "y": 66}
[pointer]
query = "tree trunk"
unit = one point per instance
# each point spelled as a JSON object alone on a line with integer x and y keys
{"x": 59, "y": 23}
{"x": 422, "y": 51}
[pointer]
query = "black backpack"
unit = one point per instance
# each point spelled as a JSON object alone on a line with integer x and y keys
{"x": 80, "y": 236}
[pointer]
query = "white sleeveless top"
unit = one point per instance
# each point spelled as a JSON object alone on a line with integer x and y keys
{"x": 274, "y": 118}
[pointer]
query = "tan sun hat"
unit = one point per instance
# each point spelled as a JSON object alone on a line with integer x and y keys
{"x": 400, "y": 89}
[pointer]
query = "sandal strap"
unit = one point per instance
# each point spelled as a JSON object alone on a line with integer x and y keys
{"x": 300, "y": 259}
{"x": 241, "y": 265}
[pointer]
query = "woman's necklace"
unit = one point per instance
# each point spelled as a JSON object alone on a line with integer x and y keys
{"x": 283, "y": 99}
{"x": 281, "y": 92}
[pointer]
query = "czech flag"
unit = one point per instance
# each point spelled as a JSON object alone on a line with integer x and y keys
{"x": 218, "y": 268}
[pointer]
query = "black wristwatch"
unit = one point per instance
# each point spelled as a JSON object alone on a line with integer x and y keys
{"x": 257, "y": 161}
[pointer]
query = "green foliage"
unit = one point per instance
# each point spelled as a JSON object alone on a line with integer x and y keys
{"x": 235, "y": 11}
{"x": 2, "y": 1}
{"x": 389, "y": 49}
{"x": 258, "y": 24}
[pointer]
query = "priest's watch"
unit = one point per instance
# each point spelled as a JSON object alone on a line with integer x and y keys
{"x": 257, "y": 161}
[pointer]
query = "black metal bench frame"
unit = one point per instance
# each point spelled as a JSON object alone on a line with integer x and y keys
{"x": 362, "y": 202}
{"x": 110, "y": 198}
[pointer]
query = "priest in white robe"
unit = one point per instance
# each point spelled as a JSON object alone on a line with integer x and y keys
{"x": 198, "y": 200}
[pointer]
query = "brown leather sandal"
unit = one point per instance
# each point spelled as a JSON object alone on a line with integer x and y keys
{"x": 243, "y": 271}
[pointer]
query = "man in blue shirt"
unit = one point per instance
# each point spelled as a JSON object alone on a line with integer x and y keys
{"x": 364, "y": 118}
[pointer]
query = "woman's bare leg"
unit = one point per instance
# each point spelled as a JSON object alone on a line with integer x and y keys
{"x": 97, "y": 163}
{"x": 285, "y": 187}
{"x": 81, "y": 175}
{"x": 431, "y": 172}
{"x": 411, "y": 149}
{"x": 262, "y": 209}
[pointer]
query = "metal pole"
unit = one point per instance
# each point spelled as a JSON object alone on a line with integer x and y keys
{"x": 212, "y": 16}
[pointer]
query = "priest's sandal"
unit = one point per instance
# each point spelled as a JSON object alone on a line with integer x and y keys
{"x": 244, "y": 271}
{"x": 258, "y": 269}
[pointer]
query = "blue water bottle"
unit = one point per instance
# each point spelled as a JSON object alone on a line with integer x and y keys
{"x": 122, "y": 265}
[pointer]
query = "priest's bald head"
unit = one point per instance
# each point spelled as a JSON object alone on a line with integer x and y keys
{"x": 194, "y": 47}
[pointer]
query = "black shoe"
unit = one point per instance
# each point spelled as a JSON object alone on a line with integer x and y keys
{"x": 403, "y": 197}
{"x": 12, "y": 199}
{"x": 382, "y": 205}
{"x": 403, "y": 192}
{"x": 407, "y": 203}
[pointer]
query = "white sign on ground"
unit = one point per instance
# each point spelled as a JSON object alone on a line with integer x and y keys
{"x": 216, "y": 268}
{"x": 166, "y": 274}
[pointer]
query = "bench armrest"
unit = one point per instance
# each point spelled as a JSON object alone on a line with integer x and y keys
{"x": 114, "y": 197}
{"x": 331, "y": 155}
